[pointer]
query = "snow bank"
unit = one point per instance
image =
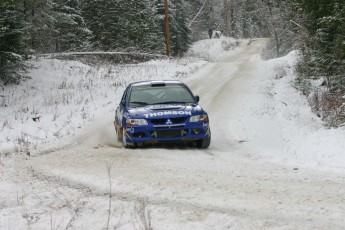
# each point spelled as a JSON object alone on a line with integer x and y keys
{"x": 214, "y": 49}
{"x": 282, "y": 122}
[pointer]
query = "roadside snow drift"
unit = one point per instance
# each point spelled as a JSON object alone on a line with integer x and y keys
{"x": 278, "y": 119}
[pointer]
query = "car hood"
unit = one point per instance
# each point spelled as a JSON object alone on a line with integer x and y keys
{"x": 165, "y": 110}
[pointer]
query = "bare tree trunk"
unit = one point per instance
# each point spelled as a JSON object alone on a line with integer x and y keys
{"x": 277, "y": 42}
{"x": 25, "y": 12}
{"x": 276, "y": 38}
{"x": 167, "y": 32}
{"x": 227, "y": 15}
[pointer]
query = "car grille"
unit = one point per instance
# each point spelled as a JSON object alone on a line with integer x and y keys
{"x": 169, "y": 126}
{"x": 176, "y": 120}
{"x": 169, "y": 133}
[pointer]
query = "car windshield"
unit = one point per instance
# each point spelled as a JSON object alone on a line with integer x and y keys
{"x": 148, "y": 95}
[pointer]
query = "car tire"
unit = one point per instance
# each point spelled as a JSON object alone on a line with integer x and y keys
{"x": 124, "y": 140}
{"x": 203, "y": 143}
{"x": 118, "y": 134}
{"x": 119, "y": 137}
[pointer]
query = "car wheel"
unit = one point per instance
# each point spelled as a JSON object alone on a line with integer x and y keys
{"x": 118, "y": 134}
{"x": 124, "y": 140}
{"x": 203, "y": 143}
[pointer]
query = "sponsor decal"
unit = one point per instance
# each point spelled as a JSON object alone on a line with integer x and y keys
{"x": 130, "y": 130}
{"x": 165, "y": 113}
{"x": 165, "y": 106}
{"x": 169, "y": 126}
{"x": 205, "y": 124}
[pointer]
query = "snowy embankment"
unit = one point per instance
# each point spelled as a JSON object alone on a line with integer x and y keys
{"x": 306, "y": 140}
{"x": 278, "y": 121}
{"x": 214, "y": 50}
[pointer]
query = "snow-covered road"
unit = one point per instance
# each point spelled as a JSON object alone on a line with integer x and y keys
{"x": 228, "y": 186}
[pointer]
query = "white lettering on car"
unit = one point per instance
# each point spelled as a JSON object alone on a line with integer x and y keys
{"x": 149, "y": 115}
{"x": 130, "y": 130}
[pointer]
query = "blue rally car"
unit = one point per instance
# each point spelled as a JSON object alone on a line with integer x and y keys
{"x": 152, "y": 112}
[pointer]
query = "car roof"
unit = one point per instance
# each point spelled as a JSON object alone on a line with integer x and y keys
{"x": 156, "y": 83}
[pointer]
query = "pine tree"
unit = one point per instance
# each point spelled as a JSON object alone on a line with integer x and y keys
{"x": 96, "y": 14}
{"x": 124, "y": 25}
{"x": 248, "y": 20}
{"x": 324, "y": 54}
{"x": 70, "y": 32}
{"x": 324, "y": 58}
{"x": 181, "y": 34}
{"x": 40, "y": 23}
{"x": 11, "y": 42}
{"x": 204, "y": 15}
{"x": 153, "y": 39}
{"x": 54, "y": 25}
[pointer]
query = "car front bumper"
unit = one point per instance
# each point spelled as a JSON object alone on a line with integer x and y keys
{"x": 190, "y": 131}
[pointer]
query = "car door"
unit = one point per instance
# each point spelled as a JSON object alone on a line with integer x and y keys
{"x": 121, "y": 110}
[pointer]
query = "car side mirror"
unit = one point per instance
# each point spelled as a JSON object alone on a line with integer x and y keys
{"x": 197, "y": 98}
{"x": 123, "y": 102}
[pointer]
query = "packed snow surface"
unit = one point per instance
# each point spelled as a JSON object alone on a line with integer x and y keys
{"x": 271, "y": 164}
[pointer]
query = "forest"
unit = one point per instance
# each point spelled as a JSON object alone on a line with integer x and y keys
{"x": 314, "y": 27}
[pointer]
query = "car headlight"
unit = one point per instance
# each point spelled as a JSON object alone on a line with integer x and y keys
{"x": 136, "y": 122}
{"x": 199, "y": 118}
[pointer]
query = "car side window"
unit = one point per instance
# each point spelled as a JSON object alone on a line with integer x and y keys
{"x": 124, "y": 97}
